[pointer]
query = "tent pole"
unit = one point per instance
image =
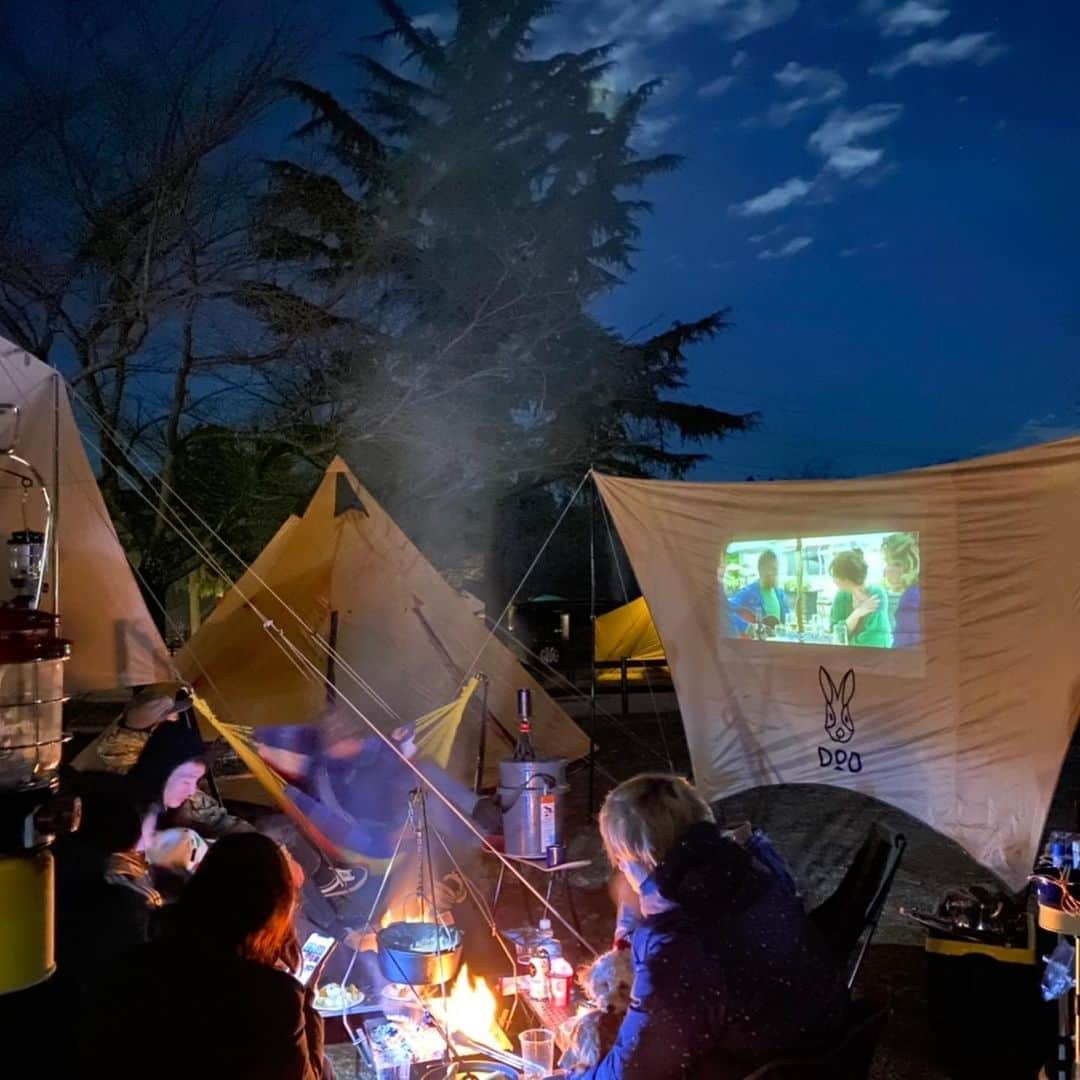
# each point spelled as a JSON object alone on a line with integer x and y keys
{"x": 482, "y": 748}
{"x": 592, "y": 651}
{"x": 54, "y": 555}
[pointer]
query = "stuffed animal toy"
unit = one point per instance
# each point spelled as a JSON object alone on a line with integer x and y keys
{"x": 590, "y": 1035}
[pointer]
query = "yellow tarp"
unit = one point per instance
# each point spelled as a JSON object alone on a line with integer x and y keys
{"x": 627, "y": 633}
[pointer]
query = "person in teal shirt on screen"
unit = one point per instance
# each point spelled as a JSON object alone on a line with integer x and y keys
{"x": 862, "y": 608}
{"x": 761, "y": 601}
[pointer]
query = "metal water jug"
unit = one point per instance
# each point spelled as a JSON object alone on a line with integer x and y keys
{"x": 532, "y": 796}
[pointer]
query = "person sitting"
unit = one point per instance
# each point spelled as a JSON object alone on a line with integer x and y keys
{"x": 761, "y": 603}
{"x": 729, "y": 972}
{"x": 105, "y": 895}
{"x": 117, "y": 749}
{"x": 354, "y": 790}
{"x": 863, "y": 610}
{"x": 222, "y": 976}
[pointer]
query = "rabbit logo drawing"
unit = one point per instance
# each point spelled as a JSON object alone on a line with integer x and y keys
{"x": 840, "y": 728}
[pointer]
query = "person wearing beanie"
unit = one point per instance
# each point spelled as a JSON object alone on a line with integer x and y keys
{"x": 169, "y": 769}
{"x": 167, "y": 775}
{"x": 118, "y": 747}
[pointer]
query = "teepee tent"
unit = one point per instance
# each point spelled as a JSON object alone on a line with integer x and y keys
{"x": 913, "y": 637}
{"x": 347, "y": 572}
{"x": 114, "y": 640}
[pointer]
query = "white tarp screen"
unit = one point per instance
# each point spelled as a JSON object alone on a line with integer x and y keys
{"x": 965, "y": 724}
{"x": 114, "y": 641}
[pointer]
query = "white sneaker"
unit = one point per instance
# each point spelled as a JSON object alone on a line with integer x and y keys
{"x": 345, "y": 882}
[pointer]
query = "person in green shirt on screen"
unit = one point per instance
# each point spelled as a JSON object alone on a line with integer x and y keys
{"x": 761, "y": 602}
{"x": 862, "y": 608}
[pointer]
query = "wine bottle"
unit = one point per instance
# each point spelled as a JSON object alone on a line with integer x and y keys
{"x": 523, "y": 748}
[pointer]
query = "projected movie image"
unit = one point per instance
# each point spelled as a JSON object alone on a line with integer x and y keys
{"x": 860, "y": 589}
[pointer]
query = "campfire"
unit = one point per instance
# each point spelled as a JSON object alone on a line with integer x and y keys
{"x": 468, "y": 1015}
{"x": 470, "y": 1009}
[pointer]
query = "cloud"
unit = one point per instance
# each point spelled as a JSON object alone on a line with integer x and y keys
{"x": 739, "y": 59}
{"x": 716, "y": 87}
{"x": 838, "y": 138}
{"x": 651, "y": 131}
{"x": 440, "y": 23}
{"x": 754, "y": 16}
{"x": 938, "y": 52}
{"x": 811, "y": 85}
{"x": 912, "y": 17}
{"x": 659, "y": 20}
{"x": 775, "y": 199}
{"x": 760, "y": 238}
{"x": 792, "y": 247}
{"x": 1038, "y": 429}
{"x": 847, "y": 253}
{"x": 852, "y": 160}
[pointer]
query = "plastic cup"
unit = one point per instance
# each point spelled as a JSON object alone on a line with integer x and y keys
{"x": 538, "y": 1051}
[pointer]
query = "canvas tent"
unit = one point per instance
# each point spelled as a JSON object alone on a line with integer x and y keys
{"x": 349, "y": 573}
{"x": 626, "y": 633}
{"x": 629, "y": 633}
{"x": 965, "y": 724}
{"x": 114, "y": 640}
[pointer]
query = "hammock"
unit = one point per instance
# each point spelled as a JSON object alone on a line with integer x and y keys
{"x": 321, "y": 825}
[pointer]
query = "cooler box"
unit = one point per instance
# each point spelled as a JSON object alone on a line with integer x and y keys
{"x": 987, "y": 1016}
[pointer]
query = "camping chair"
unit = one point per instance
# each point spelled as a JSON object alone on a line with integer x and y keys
{"x": 849, "y": 1059}
{"x": 851, "y": 914}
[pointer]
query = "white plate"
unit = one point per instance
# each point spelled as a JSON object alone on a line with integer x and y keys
{"x": 335, "y": 1010}
{"x": 352, "y": 1010}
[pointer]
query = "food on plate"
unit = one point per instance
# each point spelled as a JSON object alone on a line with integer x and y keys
{"x": 333, "y": 996}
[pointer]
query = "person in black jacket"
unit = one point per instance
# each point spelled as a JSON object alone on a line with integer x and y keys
{"x": 728, "y": 970}
{"x": 105, "y": 897}
{"x": 215, "y": 997}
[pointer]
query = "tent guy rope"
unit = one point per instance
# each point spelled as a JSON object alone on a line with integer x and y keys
{"x": 278, "y": 635}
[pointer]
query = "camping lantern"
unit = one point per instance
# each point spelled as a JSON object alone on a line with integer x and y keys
{"x": 32, "y": 658}
{"x": 26, "y": 560}
{"x": 32, "y": 661}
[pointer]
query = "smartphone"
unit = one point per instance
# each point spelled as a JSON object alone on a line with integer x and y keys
{"x": 316, "y": 949}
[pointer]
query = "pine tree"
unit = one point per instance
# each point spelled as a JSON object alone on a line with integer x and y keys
{"x": 467, "y": 216}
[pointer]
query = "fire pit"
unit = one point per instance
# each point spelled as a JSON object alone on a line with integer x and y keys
{"x": 471, "y": 1068}
{"x": 407, "y": 1038}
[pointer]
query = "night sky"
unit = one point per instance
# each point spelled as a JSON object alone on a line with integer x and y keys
{"x": 909, "y": 292}
{"x": 885, "y": 192}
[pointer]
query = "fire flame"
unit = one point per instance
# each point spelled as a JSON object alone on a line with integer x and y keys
{"x": 470, "y": 1009}
{"x": 413, "y": 908}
